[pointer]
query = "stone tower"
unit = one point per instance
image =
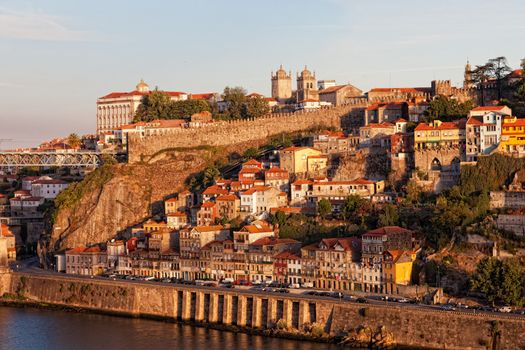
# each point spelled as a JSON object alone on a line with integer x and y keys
{"x": 307, "y": 86}
{"x": 467, "y": 82}
{"x": 281, "y": 84}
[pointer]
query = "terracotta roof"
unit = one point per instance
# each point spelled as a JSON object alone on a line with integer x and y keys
{"x": 177, "y": 214}
{"x": 292, "y": 210}
{"x": 166, "y": 123}
{"x": 252, "y": 162}
{"x": 413, "y": 89}
{"x": 227, "y": 198}
{"x": 287, "y": 255}
{"x": 387, "y": 230}
{"x": 207, "y": 205}
{"x": 215, "y": 190}
{"x": 518, "y": 122}
{"x": 401, "y": 120}
{"x": 276, "y": 169}
{"x": 303, "y": 182}
{"x": 139, "y": 93}
{"x": 488, "y": 108}
{"x": 258, "y": 228}
{"x": 273, "y": 241}
{"x": 256, "y": 189}
{"x": 208, "y": 228}
{"x": 331, "y": 89}
{"x": 441, "y": 126}
{"x": 383, "y": 125}
{"x": 347, "y": 243}
{"x": 203, "y": 96}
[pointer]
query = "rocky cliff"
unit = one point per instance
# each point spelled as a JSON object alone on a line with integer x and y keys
{"x": 116, "y": 197}
{"x": 362, "y": 163}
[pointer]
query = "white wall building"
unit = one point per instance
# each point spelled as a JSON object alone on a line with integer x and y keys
{"x": 118, "y": 108}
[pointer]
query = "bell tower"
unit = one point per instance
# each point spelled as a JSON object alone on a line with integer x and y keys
{"x": 281, "y": 84}
{"x": 307, "y": 86}
{"x": 467, "y": 80}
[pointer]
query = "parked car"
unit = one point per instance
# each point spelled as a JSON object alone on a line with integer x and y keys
{"x": 307, "y": 285}
{"x": 505, "y": 309}
{"x": 361, "y": 300}
{"x": 403, "y": 300}
{"x": 448, "y": 307}
{"x": 294, "y": 286}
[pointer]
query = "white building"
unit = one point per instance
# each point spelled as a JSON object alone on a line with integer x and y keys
{"x": 118, "y": 108}
{"x": 483, "y": 132}
{"x": 48, "y": 188}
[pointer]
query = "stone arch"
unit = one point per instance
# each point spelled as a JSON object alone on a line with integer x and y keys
{"x": 456, "y": 164}
{"x": 435, "y": 165}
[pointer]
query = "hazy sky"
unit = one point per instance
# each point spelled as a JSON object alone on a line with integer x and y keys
{"x": 58, "y": 56}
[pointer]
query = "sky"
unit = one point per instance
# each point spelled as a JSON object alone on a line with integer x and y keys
{"x": 58, "y": 56}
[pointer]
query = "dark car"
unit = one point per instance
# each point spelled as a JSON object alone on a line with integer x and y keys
{"x": 361, "y": 300}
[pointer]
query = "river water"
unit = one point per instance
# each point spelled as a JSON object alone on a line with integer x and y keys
{"x": 26, "y": 328}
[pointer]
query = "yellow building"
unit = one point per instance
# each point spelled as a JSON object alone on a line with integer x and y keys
{"x": 512, "y": 139}
{"x": 397, "y": 268}
{"x": 303, "y": 160}
{"x": 439, "y": 134}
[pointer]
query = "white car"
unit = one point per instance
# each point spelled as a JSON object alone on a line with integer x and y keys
{"x": 505, "y": 309}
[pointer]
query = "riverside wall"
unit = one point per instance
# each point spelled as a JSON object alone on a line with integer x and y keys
{"x": 243, "y": 309}
{"x": 222, "y": 133}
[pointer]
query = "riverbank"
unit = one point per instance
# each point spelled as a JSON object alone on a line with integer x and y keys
{"x": 275, "y": 333}
{"x": 277, "y": 315}
{"x": 31, "y": 328}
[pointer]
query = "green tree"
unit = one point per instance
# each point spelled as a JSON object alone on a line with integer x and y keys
{"x": 351, "y": 205}
{"x": 186, "y": 108}
{"x": 324, "y": 208}
{"x": 251, "y": 152}
{"x": 480, "y": 75}
{"x": 235, "y": 98}
{"x": 210, "y": 174}
{"x": 156, "y": 105}
{"x": 255, "y": 107}
{"x": 519, "y": 94}
{"x": 389, "y": 216}
{"x": 499, "y": 280}
{"x": 73, "y": 140}
{"x": 445, "y": 108}
{"x": 499, "y": 69}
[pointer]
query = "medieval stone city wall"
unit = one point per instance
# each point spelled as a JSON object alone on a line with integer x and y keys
{"x": 408, "y": 326}
{"x": 230, "y": 132}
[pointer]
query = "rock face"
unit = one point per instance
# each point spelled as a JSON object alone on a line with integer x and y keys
{"x": 133, "y": 193}
{"x": 362, "y": 163}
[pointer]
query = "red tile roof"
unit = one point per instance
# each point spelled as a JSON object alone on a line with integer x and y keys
{"x": 414, "y": 89}
{"x": 488, "y": 108}
{"x": 387, "y": 230}
{"x": 227, "y": 198}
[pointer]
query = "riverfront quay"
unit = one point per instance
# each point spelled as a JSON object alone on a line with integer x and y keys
{"x": 269, "y": 313}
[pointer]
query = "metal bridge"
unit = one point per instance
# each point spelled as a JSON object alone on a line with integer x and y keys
{"x": 51, "y": 159}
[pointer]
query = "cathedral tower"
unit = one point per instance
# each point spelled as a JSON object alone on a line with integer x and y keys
{"x": 467, "y": 82}
{"x": 281, "y": 85}
{"x": 307, "y": 86}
